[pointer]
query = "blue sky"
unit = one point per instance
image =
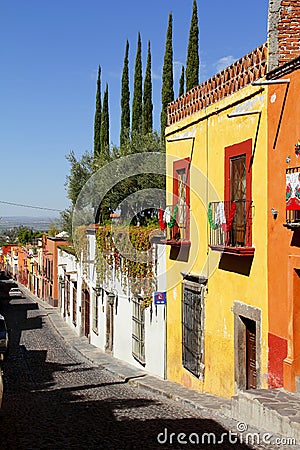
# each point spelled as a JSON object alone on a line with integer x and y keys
{"x": 50, "y": 52}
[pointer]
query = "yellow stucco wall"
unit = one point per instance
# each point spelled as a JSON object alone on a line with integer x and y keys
{"x": 212, "y": 131}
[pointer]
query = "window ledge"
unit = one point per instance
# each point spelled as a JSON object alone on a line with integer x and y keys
{"x": 175, "y": 243}
{"x": 292, "y": 225}
{"x": 239, "y": 251}
{"x": 138, "y": 359}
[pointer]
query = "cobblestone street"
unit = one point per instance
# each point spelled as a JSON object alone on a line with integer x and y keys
{"x": 56, "y": 399}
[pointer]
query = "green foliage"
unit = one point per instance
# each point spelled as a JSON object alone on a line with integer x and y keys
{"x": 104, "y": 132}
{"x": 54, "y": 228}
{"x": 125, "y": 101}
{"x": 19, "y": 235}
{"x": 167, "y": 92}
{"x": 137, "y": 102}
{"x": 80, "y": 171}
{"x": 28, "y": 236}
{"x": 181, "y": 83}
{"x": 68, "y": 248}
{"x": 97, "y": 121}
{"x": 9, "y": 236}
{"x": 81, "y": 245}
{"x": 66, "y": 221}
{"x": 128, "y": 252}
{"x": 140, "y": 207}
{"x": 192, "y": 61}
{"x": 147, "y": 97}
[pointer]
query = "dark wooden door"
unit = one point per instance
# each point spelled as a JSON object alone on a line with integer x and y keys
{"x": 109, "y": 326}
{"x": 181, "y": 198}
{"x": 86, "y": 313}
{"x": 238, "y": 194}
{"x": 251, "y": 354}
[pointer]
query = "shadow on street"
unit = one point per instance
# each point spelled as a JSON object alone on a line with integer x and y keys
{"x": 40, "y": 412}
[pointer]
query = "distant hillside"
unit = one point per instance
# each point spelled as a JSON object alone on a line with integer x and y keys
{"x": 36, "y": 223}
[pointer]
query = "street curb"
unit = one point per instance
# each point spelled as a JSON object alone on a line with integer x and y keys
{"x": 208, "y": 405}
{"x": 130, "y": 374}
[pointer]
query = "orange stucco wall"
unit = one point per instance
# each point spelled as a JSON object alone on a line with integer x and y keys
{"x": 283, "y": 243}
{"x": 51, "y": 254}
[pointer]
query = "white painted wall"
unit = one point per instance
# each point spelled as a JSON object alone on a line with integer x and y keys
{"x": 123, "y": 308}
{"x": 154, "y": 326}
{"x": 67, "y": 264}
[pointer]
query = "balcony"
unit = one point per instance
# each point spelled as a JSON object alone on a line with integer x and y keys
{"x": 292, "y": 219}
{"x": 231, "y": 227}
{"x": 292, "y": 198}
{"x": 176, "y": 225}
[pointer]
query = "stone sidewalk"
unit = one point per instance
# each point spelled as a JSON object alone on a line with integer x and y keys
{"x": 125, "y": 371}
{"x": 270, "y": 409}
{"x": 275, "y": 411}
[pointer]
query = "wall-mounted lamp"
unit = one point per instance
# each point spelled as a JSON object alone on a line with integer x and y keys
{"x": 97, "y": 290}
{"x": 274, "y": 212}
{"x": 111, "y": 298}
{"x": 61, "y": 281}
{"x": 297, "y": 149}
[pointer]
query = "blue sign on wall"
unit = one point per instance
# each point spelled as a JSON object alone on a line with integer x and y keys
{"x": 160, "y": 298}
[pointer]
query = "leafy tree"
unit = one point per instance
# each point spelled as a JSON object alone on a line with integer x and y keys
{"x": 192, "y": 61}
{"x": 20, "y": 235}
{"x": 181, "y": 83}
{"x": 56, "y": 227}
{"x": 142, "y": 206}
{"x": 28, "y": 236}
{"x": 81, "y": 170}
{"x": 147, "y": 97}
{"x": 137, "y": 102}
{"x": 104, "y": 132}
{"x": 167, "y": 92}
{"x": 66, "y": 221}
{"x": 9, "y": 236}
{"x": 125, "y": 101}
{"x": 97, "y": 120}
{"x": 101, "y": 212}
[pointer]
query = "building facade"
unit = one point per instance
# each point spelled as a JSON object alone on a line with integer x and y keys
{"x": 216, "y": 325}
{"x": 283, "y": 195}
{"x": 49, "y": 290}
{"x": 233, "y": 268}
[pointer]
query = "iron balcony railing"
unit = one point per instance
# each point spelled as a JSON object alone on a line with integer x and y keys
{"x": 230, "y": 224}
{"x": 293, "y": 217}
{"x": 175, "y": 221}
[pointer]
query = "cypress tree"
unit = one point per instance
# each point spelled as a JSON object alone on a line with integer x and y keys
{"x": 97, "y": 120}
{"x": 192, "y": 61}
{"x": 101, "y": 212}
{"x": 147, "y": 97}
{"x": 125, "y": 101}
{"x": 181, "y": 83}
{"x": 167, "y": 91}
{"x": 137, "y": 102}
{"x": 104, "y": 132}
